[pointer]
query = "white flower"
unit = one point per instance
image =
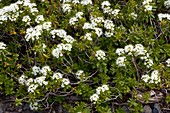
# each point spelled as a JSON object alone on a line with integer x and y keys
{"x": 148, "y": 7}
{"x": 33, "y": 33}
{"x": 67, "y": 47}
{"x": 145, "y": 78}
{"x": 2, "y": 45}
{"x": 35, "y": 70}
{"x": 64, "y": 1}
{"x": 167, "y": 4}
{"x": 100, "y": 55}
{"x": 88, "y": 26}
{"x": 46, "y": 25}
{"x": 66, "y": 8}
{"x": 168, "y": 62}
{"x": 73, "y": 20}
{"x": 96, "y": 20}
{"x": 105, "y": 4}
{"x": 155, "y": 78}
{"x": 65, "y": 82}
{"x": 29, "y": 81}
{"x": 57, "y": 76}
{"x": 108, "y": 34}
{"x": 39, "y": 18}
{"x": 60, "y": 32}
{"x": 129, "y": 49}
{"x": 57, "y": 53}
{"x": 108, "y": 24}
{"x": 146, "y": 2}
{"x": 148, "y": 62}
{"x": 98, "y": 31}
{"x": 33, "y": 106}
{"x": 86, "y": 2}
{"x": 41, "y": 80}
{"x": 75, "y": 2}
{"x": 69, "y": 39}
{"x": 107, "y": 10}
{"x": 98, "y": 90}
{"x": 45, "y": 69}
{"x": 121, "y": 61}
{"x": 22, "y": 79}
{"x": 32, "y": 88}
{"x": 120, "y": 51}
{"x": 161, "y": 16}
{"x": 34, "y": 10}
{"x": 139, "y": 50}
{"x": 115, "y": 12}
{"x": 94, "y": 97}
{"x": 79, "y": 15}
{"x": 79, "y": 73}
{"x": 104, "y": 88}
{"x": 26, "y": 19}
{"x": 88, "y": 36}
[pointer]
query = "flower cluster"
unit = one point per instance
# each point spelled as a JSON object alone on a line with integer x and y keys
{"x": 26, "y": 19}
{"x": 88, "y": 36}
{"x": 154, "y": 78}
{"x": 38, "y": 81}
{"x": 62, "y": 34}
{"x": 83, "y": 2}
{"x": 168, "y": 62}
{"x": 57, "y": 76}
{"x": 2, "y": 45}
{"x": 93, "y": 26}
{"x": 100, "y": 55}
{"x": 12, "y": 11}
{"x": 33, "y": 105}
{"x": 36, "y": 32}
{"x": 75, "y": 19}
{"x": 147, "y": 5}
{"x": 108, "y": 24}
{"x": 121, "y": 61}
{"x": 39, "y": 18}
{"x": 167, "y": 4}
{"x": 107, "y": 9}
{"x": 137, "y": 50}
{"x": 80, "y": 74}
{"x": 36, "y": 70}
{"x": 95, "y": 96}
{"x": 57, "y": 52}
{"x": 33, "y": 84}
{"x": 161, "y": 16}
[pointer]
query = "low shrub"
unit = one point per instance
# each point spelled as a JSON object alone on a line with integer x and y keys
{"x": 84, "y": 55}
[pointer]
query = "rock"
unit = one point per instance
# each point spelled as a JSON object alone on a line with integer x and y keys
{"x": 26, "y": 107}
{"x": 156, "y": 108}
{"x": 1, "y": 111}
{"x": 147, "y": 109}
{"x": 126, "y": 109}
{"x": 59, "y": 109}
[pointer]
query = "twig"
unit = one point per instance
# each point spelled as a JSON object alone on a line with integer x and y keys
{"x": 137, "y": 70}
{"x": 85, "y": 79}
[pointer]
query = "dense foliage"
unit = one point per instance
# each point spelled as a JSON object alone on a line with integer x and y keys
{"x": 84, "y": 55}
